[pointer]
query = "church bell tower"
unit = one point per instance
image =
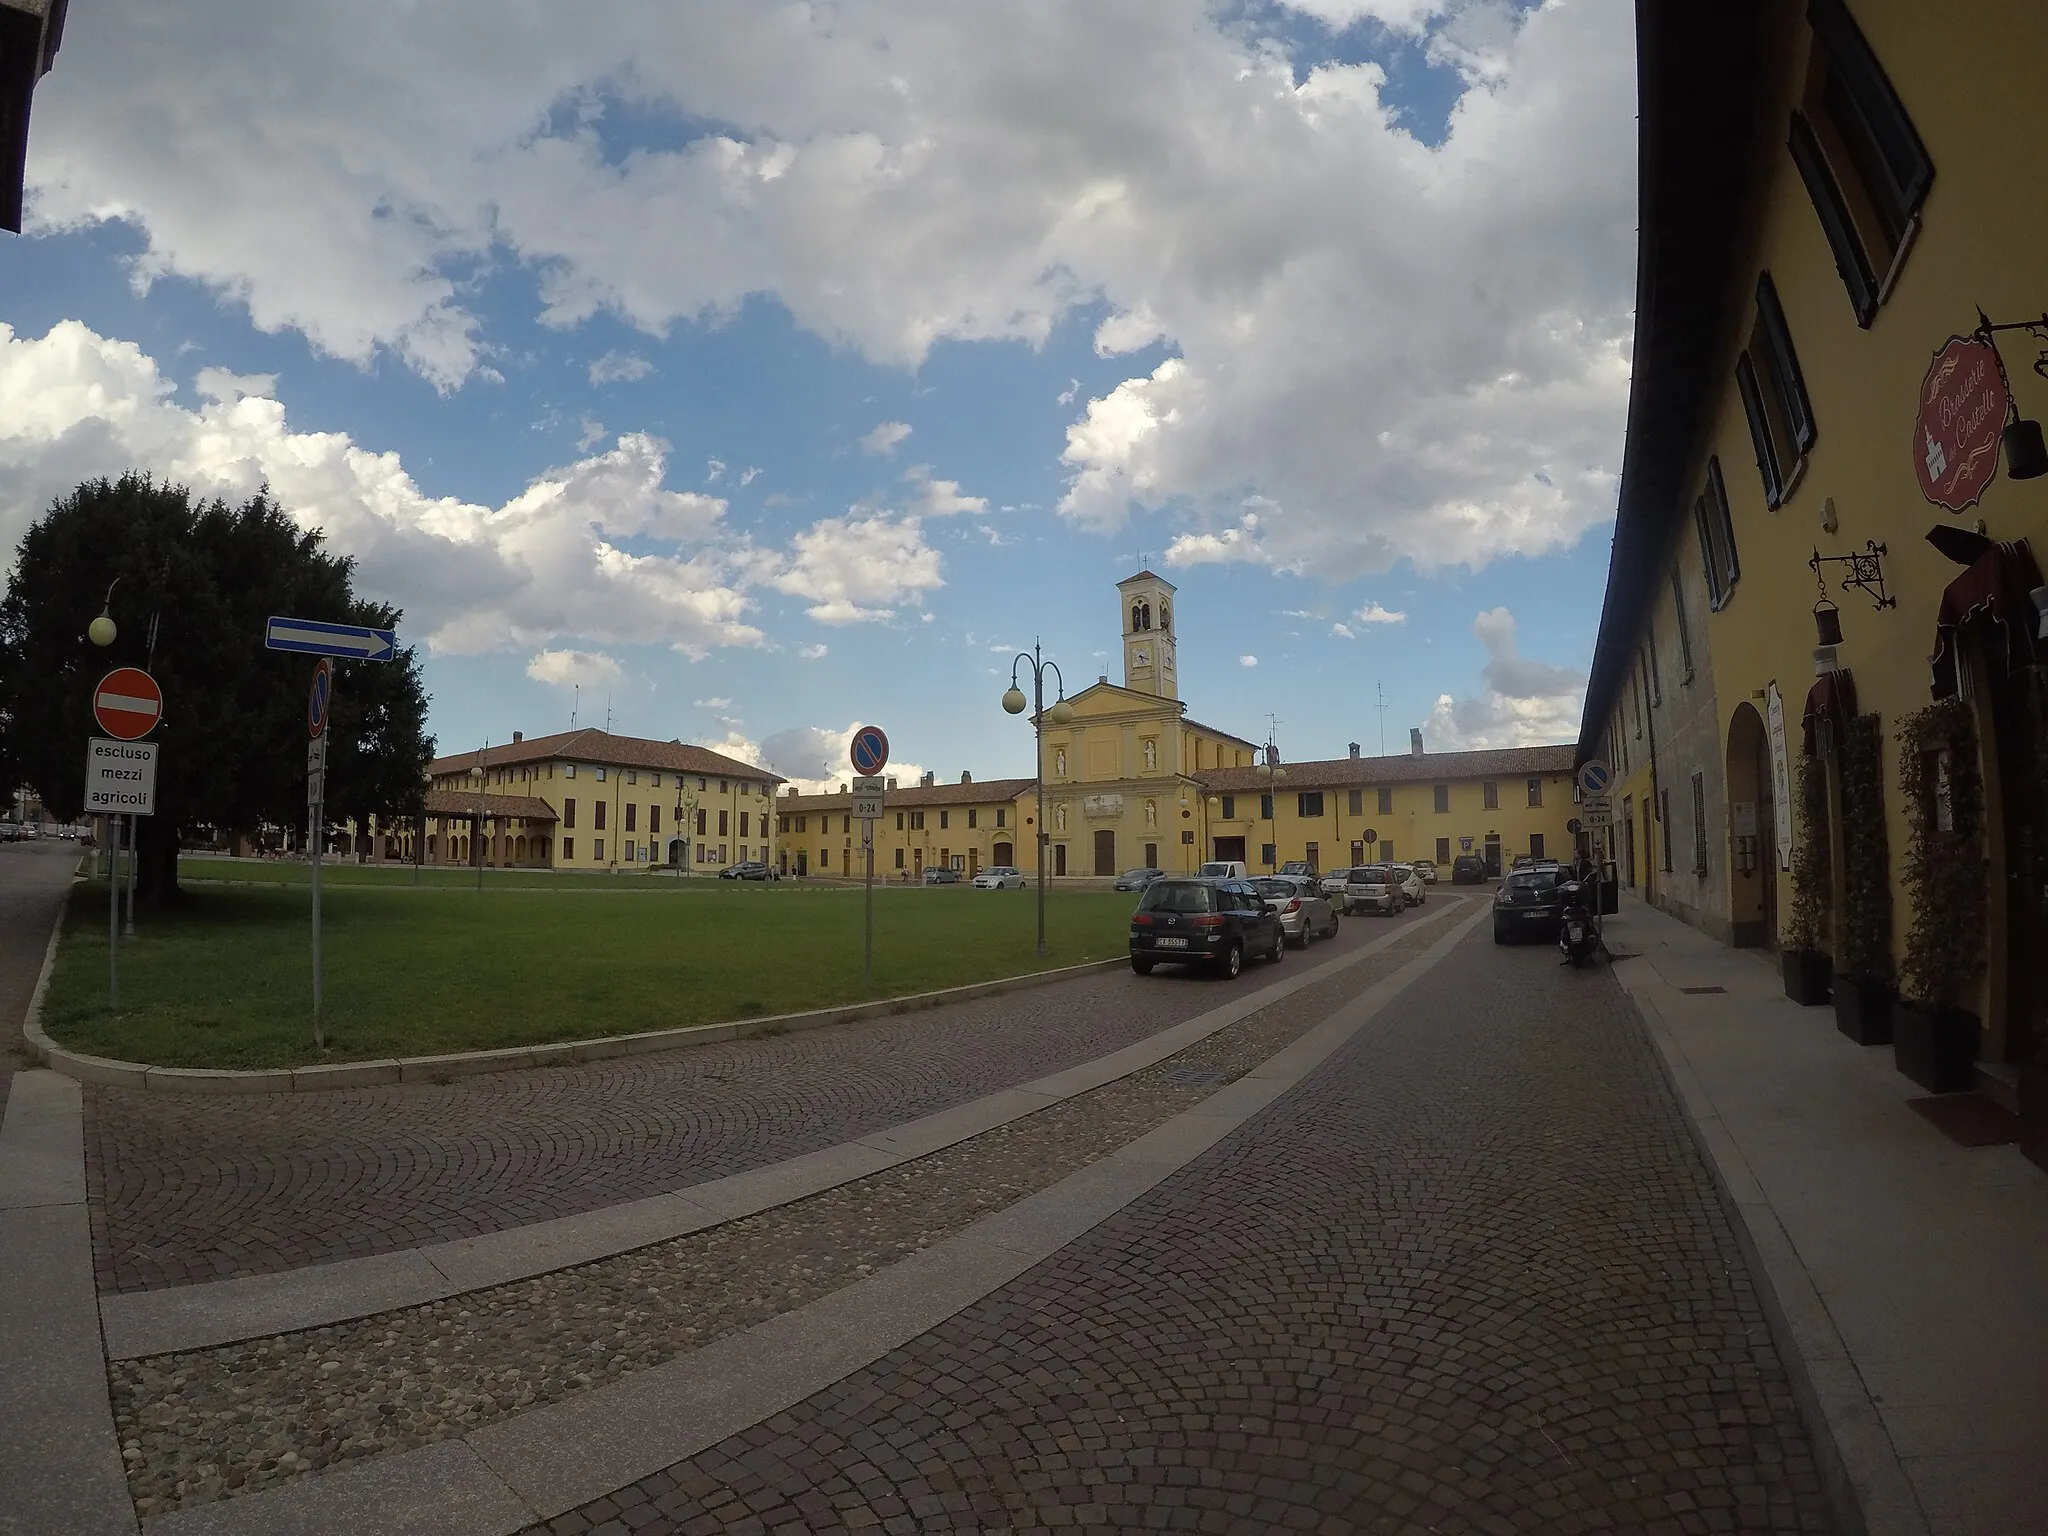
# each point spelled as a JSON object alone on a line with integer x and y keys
{"x": 1146, "y": 601}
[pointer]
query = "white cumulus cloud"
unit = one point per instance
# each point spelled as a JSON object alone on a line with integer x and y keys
{"x": 570, "y": 669}
{"x": 1373, "y": 613}
{"x": 620, "y": 368}
{"x": 857, "y": 569}
{"x": 1247, "y": 661}
{"x": 884, "y": 437}
{"x": 1524, "y": 702}
{"x": 1406, "y": 348}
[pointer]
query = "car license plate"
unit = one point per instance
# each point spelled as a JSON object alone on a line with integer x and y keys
{"x": 1173, "y": 943}
{"x": 1536, "y": 914}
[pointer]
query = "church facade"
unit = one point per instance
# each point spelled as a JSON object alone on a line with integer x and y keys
{"x": 1132, "y": 782}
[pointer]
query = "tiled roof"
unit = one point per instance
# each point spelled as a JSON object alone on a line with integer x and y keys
{"x": 1146, "y": 575}
{"x": 1197, "y": 725}
{"x": 595, "y": 746}
{"x": 1406, "y": 768}
{"x": 451, "y": 802}
{"x": 983, "y": 792}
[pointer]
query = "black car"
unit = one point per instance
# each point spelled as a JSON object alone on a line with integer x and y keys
{"x": 1468, "y": 869}
{"x": 1203, "y": 922}
{"x": 1528, "y": 904}
{"x": 748, "y": 869}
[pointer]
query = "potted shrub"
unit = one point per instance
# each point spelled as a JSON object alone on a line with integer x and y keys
{"x": 1934, "y": 1037}
{"x": 1863, "y": 980}
{"x": 1806, "y": 961}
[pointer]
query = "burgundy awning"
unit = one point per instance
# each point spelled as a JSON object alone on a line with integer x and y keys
{"x": 1996, "y": 585}
{"x": 1830, "y": 706}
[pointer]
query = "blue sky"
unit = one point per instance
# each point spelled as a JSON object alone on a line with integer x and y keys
{"x": 762, "y": 395}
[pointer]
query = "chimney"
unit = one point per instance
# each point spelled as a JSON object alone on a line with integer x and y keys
{"x": 966, "y": 777}
{"x": 928, "y": 781}
{"x": 890, "y": 782}
{"x": 1354, "y": 749}
{"x": 1415, "y": 741}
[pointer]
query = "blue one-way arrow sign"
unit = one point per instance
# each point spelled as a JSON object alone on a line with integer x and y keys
{"x": 316, "y": 638}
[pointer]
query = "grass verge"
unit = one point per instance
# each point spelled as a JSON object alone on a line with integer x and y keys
{"x": 224, "y": 979}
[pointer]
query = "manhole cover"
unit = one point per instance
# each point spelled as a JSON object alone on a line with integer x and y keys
{"x": 1702, "y": 991}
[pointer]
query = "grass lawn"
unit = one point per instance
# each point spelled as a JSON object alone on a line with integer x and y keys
{"x": 225, "y": 979}
{"x": 296, "y": 871}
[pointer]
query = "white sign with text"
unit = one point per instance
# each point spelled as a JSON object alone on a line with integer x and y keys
{"x": 120, "y": 777}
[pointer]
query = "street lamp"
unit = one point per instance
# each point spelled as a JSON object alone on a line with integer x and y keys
{"x": 1061, "y": 713}
{"x": 1273, "y": 771}
{"x": 101, "y": 631}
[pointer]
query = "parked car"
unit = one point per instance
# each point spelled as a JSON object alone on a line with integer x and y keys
{"x": 1203, "y": 922}
{"x": 1427, "y": 869}
{"x": 1298, "y": 867}
{"x": 30, "y": 831}
{"x": 1528, "y": 905}
{"x": 747, "y": 869}
{"x": 1304, "y": 911}
{"x": 1413, "y": 891}
{"x": 999, "y": 877}
{"x": 10, "y": 832}
{"x": 1225, "y": 869}
{"x": 938, "y": 874}
{"x": 1137, "y": 879}
{"x": 1333, "y": 887}
{"x": 1468, "y": 869}
{"x": 1372, "y": 888}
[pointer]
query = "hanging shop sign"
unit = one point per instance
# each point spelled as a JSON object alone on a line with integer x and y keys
{"x": 1963, "y": 404}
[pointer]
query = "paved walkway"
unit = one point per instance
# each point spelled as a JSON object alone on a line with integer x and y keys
{"x": 198, "y": 1187}
{"x": 34, "y": 880}
{"x": 1470, "y": 1275}
{"x": 1913, "y": 1271}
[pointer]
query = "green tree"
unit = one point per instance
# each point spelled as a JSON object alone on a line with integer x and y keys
{"x": 203, "y": 577}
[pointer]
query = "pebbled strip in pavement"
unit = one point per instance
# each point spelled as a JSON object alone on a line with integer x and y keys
{"x": 1470, "y": 1277}
{"x": 190, "y": 1188}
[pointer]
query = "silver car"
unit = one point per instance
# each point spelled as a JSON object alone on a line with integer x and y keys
{"x": 1305, "y": 913}
{"x": 1333, "y": 887}
{"x": 1410, "y": 880}
{"x": 1372, "y": 888}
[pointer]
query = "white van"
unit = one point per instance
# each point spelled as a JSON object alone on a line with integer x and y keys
{"x": 1226, "y": 869}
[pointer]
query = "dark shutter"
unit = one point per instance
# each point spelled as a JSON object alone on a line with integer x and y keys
{"x": 1708, "y": 559}
{"x": 1903, "y": 159}
{"x": 1759, "y": 430}
{"x": 1717, "y": 494}
{"x": 1850, "y": 261}
{"x": 1785, "y": 365}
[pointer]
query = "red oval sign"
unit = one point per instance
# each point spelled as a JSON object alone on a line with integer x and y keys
{"x": 1962, "y": 412}
{"x": 127, "y": 703}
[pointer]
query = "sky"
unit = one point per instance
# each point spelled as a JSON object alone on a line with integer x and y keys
{"x": 743, "y": 372}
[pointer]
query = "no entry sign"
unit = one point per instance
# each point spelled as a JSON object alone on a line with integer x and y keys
{"x": 127, "y": 703}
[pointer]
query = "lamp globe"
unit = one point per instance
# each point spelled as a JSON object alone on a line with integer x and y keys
{"x": 1014, "y": 701}
{"x": 101, "y": 630}
{"x": 1062, "y": 713}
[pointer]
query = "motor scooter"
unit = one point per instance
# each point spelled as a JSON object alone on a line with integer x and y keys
{"x": 1578, "y": 929}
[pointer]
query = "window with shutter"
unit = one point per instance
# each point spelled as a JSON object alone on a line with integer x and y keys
{"x": 1860, "y": 156}
{"x": 1781, "y": 424}
{"x": 1684, "y": 634}
{"x": 1717, "y": 538}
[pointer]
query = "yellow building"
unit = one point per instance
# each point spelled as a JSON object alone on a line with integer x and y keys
{"x": 1834, "y": 198}
{"x": 1132, "y": 782}
{"x": 594, "y": 801}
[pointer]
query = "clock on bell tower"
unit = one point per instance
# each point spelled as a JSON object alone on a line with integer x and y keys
{"x": 1146, "y": 602}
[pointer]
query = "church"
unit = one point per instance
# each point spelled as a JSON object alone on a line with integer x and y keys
{"x": 1132, "y": 782}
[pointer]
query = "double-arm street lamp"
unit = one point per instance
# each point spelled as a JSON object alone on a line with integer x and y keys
{"x": 1061, "y": 713}
{"x": 1273, "y": 772}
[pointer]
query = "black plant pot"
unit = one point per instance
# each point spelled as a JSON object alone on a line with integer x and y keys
{"x": 1806, "y": 976}
{"x": 2034, "y": 1112}
{"x": 1863, "y": 1009}
{"x": 1937, "y": 1048}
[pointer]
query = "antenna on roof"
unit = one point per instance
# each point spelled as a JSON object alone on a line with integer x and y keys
{"x": 1381, "y": 693}
{"x": 575, "y": 704}
{"x": 607, "y": 714}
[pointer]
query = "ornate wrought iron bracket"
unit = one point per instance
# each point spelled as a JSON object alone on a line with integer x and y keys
{"x": 1866, "y": 570}
{"x": 2037, "y": 328}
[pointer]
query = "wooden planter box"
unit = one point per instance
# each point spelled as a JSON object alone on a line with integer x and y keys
{"x": 1806, "y": 977}
{"x": 2034, "y": 1112}
{"x": 1863, "y": 1009}
{"x": 1936, "y": 1048}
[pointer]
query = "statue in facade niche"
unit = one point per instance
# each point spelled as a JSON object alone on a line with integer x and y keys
{"x": 1059, "y": 815}
{"x": 1151, "y": 813}
{"x": 1151, "y": 755}
{"x": 1059, "y": 764}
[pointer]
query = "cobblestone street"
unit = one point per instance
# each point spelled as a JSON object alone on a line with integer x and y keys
{"x": 191, "y": 1188}
{"x": 1469, "y": 1276}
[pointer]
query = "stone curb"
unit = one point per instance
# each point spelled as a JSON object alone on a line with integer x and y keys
{"x": 502, "y": 1477}
{"x": 110, "y": 1073}
{"x": 1867, "y": 1490}
{"x": 139, "y": 1324}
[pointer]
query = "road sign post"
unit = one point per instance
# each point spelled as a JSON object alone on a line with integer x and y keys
{"x": 869, "y": 753}
{"x": 353, "y": 642}
{"x": 127, "y": 703}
